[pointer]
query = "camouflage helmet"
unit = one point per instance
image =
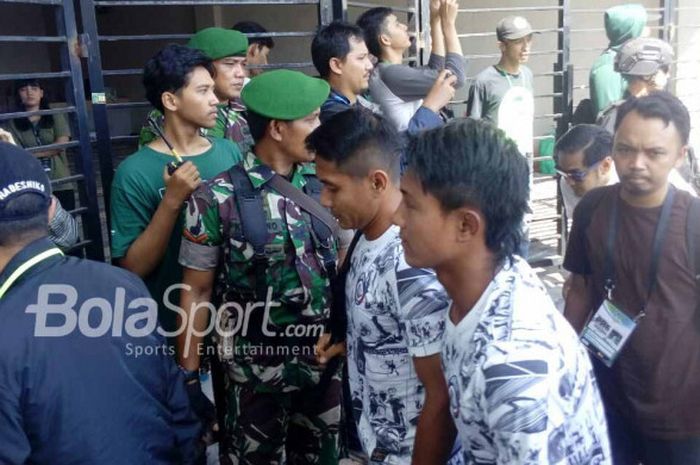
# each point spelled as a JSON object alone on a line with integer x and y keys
{"x": 643, "y": 56}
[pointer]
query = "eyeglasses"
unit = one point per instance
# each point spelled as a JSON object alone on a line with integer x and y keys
{"x": 576, "y": 175}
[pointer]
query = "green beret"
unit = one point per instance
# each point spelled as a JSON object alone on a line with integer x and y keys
{"x": 285, "y": 95}
{"x": 217, "y": 42}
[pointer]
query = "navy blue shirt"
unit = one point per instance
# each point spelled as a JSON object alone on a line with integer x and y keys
{"x": 84, "y": 397}
{"x": 423, "y": 118}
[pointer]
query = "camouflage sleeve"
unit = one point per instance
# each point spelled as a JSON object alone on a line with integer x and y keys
{"x": 202, "y": 235}
{"x": 147, "y": 134}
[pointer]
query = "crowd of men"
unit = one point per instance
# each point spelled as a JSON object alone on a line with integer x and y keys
{"x": 343, "y": 261}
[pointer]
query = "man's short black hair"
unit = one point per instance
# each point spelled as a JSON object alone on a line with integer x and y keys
{"x": 333, "y": 41}
{"x": 251, "y": 27}
{"x": 595, "y": 141}
{"x": 472, "y": 163}
{"x": 372, "y": 23}
{"x": 169, "y": 71}
{"x": 16, "y": 232}
{"x": 358, "y": 141}
{"x": 257, "y": 124}
{"x": 661, "y": 105}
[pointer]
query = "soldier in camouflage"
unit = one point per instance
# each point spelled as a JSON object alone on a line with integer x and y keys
{"x": 227, "y": 49}
{"x": 283, "y": 406}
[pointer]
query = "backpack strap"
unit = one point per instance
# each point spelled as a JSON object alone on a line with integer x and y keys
{"x": 692, "y": 237}
{"x": 324, "y": 235}
{"x": 251, "y": 213}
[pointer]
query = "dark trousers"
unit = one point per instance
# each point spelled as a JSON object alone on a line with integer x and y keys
{"x": 631, "y": 447}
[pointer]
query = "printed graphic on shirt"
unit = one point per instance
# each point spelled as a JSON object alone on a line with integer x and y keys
{"x": 395, "y": 313}
{"x": 521, "y": 385}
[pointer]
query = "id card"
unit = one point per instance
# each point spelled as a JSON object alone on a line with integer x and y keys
{"x": 607, "y": 332}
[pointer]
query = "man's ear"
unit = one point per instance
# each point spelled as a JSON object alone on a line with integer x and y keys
{"x": 606, "y": 164}
{"x": 384, "y": 40}
{"x": 336, "y": 66}
{"x": 379, "y": 180}
{"x": 252, "y": 50}
{"x": 501, "y": 46}
{"x": 683, "y": 156}
{"x": 169, "y": 101}
{"x": 277, "y": 129}
{"x": 469, "y": 223}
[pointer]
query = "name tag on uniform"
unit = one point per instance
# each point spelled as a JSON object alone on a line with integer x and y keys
{"x": 607, "y": 332}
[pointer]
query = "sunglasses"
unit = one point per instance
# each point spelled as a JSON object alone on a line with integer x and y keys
{"x": 576, "y": 175}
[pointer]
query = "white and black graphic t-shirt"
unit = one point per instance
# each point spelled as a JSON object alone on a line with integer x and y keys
{"x": 395, "y": 313}
{"x": 522, "y": 390}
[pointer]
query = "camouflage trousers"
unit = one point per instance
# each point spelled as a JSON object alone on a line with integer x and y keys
{"x": 293, "y": 428}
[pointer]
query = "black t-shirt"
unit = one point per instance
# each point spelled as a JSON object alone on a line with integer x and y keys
{"x": 655, "y": 382}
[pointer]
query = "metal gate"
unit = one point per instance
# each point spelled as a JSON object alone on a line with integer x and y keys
{"x": 112, "y": 145}
{"x": 79, "y": 152}
{"x": 562, "y": 55}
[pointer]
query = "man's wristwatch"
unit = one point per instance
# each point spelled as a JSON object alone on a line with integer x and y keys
{"x": 191, "y": 376}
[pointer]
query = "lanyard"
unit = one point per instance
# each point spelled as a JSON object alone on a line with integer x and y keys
{"x": 659, "y": 235}
{"x": 339, "y": 98}
{"x": 505, "y": 75}
{"x": 26, "y": 266}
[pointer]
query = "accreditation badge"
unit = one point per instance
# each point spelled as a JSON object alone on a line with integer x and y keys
{"x": 607, "y": 332}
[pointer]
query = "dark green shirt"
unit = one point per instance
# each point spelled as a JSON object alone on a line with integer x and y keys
{"x": 137, "y": 191}
{"x": 37, "y": 136}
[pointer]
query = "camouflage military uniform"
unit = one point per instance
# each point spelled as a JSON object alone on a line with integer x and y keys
{"x": 277, "y": 392}
{"x": 230, "y": 124}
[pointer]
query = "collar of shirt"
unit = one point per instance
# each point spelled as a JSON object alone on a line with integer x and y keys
{"x": 338, "y": 97}
{"x": 30, "y": 250}
{"x": 236, "y": 105}
{"x": 259, "y": 173}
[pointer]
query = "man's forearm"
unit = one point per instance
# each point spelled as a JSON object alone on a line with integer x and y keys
{"x": 578, "y": 302}
{"x": 147, "y": 251}
{"x": 193, "y": 301}
{"x": 435, "y": 433}
{"x": 437, "y": 39}
{"x": 452, "y": 43}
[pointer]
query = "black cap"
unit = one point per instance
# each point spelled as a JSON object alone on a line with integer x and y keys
{"x": 21, "y": 174}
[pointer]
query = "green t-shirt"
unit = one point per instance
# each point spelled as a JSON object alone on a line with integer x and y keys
{"x": 36, "y": 136}
{"x": 137, "y": 190}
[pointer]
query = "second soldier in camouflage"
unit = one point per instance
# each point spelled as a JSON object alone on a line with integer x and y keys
{"x": 283, "y": 407}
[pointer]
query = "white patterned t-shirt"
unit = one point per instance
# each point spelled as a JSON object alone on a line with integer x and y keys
{"x": 522, "y": 390}
{"x": 395, "y": 313}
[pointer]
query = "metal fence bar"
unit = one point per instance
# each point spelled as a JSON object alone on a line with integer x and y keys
{"x": 62, "y": 146}
{"x": 49, "y": 75}
{"x": 99, "y": 100}
{"x": 199, "y": 2}
{"x": 35, "y": 2}
{"x": 667, "y": 19}
{"x": 493, "y": 34}
{"x": 14, "y": 38}
{"x": 66, "y": 25}
{"x": 50, "y": 111}
{"x": 507, "y": 9}
{"x": 373, "y": 5}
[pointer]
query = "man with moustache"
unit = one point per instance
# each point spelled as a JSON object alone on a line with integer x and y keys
{"x": 632, "y": 256}
{"x": 251, "y": 238}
